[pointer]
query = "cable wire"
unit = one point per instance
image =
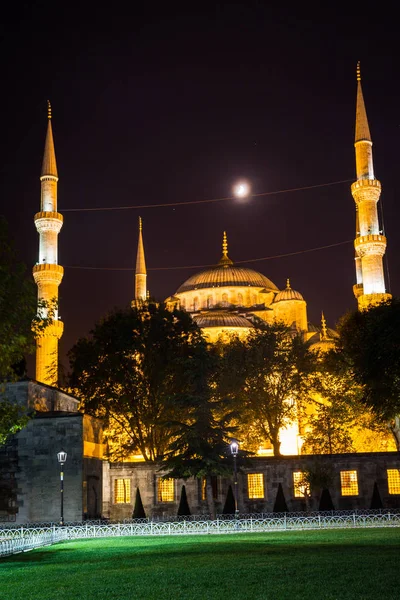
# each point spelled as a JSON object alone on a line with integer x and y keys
{"x": 167, "y": 204}
{"x": 238, "y": 262}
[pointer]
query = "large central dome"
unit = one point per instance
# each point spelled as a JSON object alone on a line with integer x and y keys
{"x": 227, "y": 274}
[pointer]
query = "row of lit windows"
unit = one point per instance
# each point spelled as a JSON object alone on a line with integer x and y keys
{"x": 255, "y": 486}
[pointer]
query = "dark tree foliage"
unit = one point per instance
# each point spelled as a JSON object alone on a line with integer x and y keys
{"x": 325, "y": 502}
{"x": 369, "y": 341}
{"x": 376, "y": 500}
{"x": 229, "y": 506}
{"x": 267, "y": 376}
{"x": 135, "y": 371}
{"x": 280, "y": 505}
{"x": 184, "y": 509}
{"x": 138, "y": 510}
{"x": 200, "y": 448}
{"x": 17, "y": 308}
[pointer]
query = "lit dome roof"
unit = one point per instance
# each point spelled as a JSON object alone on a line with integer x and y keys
{"x": 226, "y": 274}
{"x": 221, "y": 319}
{"x": 288, "y": 294}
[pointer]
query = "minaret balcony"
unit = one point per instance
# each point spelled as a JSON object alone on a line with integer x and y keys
{"x": 54, "y": 329}
{"x": 358, "y": 289}
{"x": 48, "y": 221}
{"x": 372, "y": 243}
{"x": 47, "y": 273}
{"x": 366, "y": 189}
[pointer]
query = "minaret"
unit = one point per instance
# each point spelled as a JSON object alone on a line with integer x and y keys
{"x": 140, "y": 273}
{"x": 47, "y": 273}
{"x": 369, "y": 244}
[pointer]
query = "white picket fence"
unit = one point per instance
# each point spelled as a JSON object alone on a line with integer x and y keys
{"x": 21, "y": 539}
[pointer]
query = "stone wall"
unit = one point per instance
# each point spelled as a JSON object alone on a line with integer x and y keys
{"x": 370, "y": 468}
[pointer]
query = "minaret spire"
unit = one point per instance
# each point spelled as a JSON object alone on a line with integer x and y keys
{"x": 369, "y": 244}
{"x": 324, "y": 331}
{"x": 47, "y": 272}
{"x": 140, "y": 272}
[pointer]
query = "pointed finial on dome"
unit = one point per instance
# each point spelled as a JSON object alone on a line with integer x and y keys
{"x": 324, "y": 331}
{"x": 288, "y": 287}
{"x": 48, "y": 109}
{"x": 358, "y": 71}
{"x": 225, "y": 245}
{"x": 140, "y": 224}
{"x": 225, "y": 260}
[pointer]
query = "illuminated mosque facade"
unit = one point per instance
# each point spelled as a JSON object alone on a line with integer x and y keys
{"x": 225, "y": 299}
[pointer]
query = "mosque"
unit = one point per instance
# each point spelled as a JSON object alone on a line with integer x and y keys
{"x": 222, "y": 300}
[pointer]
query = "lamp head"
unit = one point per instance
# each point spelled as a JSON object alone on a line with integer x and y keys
{"x": 234, "y": 447}
{"x": 62, "y": 457}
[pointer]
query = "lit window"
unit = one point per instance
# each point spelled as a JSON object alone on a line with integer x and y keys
{"x": 301, "y": 487}
{"x": 166, "y": 490}
{"x": 122, "y": 491}
{"x": 393, "y": 481}
{"x": 255, "y": 485}
{"x": 348, "y": 480}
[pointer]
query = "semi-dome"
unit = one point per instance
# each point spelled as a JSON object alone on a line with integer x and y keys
{"x": 221, "y": 319}
{"x": 227, "y": 274}
{"x": 288, "y": 294}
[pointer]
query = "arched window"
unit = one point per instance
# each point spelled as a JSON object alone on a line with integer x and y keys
{"x": 196, "y": 303}
{"x": 210, "y": 302}
{"x": 183, "y": 303}
{"x": 224, "y": 299}
{"x": 240, "y": 299}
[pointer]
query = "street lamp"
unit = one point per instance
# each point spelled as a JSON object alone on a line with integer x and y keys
{"x": 62, "y": 457}
{"x": 235, "y": 449}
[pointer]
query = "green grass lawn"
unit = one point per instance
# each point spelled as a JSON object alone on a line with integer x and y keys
{"x": 337, "y": 564}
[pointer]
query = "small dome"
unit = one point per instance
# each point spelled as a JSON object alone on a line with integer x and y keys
{"x": 288, "y": 294}
{"x": 221, "y": 319}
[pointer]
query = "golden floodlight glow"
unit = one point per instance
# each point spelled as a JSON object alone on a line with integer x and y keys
{"x": 241, "y": 189}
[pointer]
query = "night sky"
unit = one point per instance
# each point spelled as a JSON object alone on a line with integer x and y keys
{"x": 167, "y": 107}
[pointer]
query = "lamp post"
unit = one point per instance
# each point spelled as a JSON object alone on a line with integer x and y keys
{"x": 62, "y": 457}
{"x": 235, "y": 449}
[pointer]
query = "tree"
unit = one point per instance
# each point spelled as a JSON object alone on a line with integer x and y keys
{"x": 267, "y": 375}
{"x": 200, "y": 448}
{"x": 18, "y": 325}
{"x": 369, "y": 341}
{"x": 134, "y": 371}
{"x": 229, "y": 506}
{"x": 17, "y": 308}
{"x": 280, "y": 505}
{"x": 183, "y": 509}
{"x": 138, "y": 510}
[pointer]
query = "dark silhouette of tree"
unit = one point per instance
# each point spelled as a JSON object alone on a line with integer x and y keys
{"x": 184, "y": 509}
{"x": 200, "y": 448}
{"x": 229, "y": 506}
{"x": 369, "y": 342}
{"x": 138, "y": 510}
{"x": 325, "y": 502}
{"x": 376, "y": 500}
{"x": 134, "y": 371}
{"x": 280, "y": 505}
{"x": 267, "y": 376}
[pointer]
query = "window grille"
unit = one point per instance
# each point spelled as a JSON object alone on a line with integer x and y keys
{"x": 166, "y": 490}
{"x": 122, "y": 491}
{"x": 301, "y": 488}
{"x": 255, "y": 485}
{"x": 393, "y": 476}
{"x": 349, "y": 483}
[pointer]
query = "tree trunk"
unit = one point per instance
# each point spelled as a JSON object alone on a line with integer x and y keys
{"x": 276, "y": 445}
{"x": 394, "y": 427}
{"x": 210, "y": 498}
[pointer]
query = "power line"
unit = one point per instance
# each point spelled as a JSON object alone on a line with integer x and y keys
{"x": 167, "y": 204}
{"x": 238, "y": 262}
